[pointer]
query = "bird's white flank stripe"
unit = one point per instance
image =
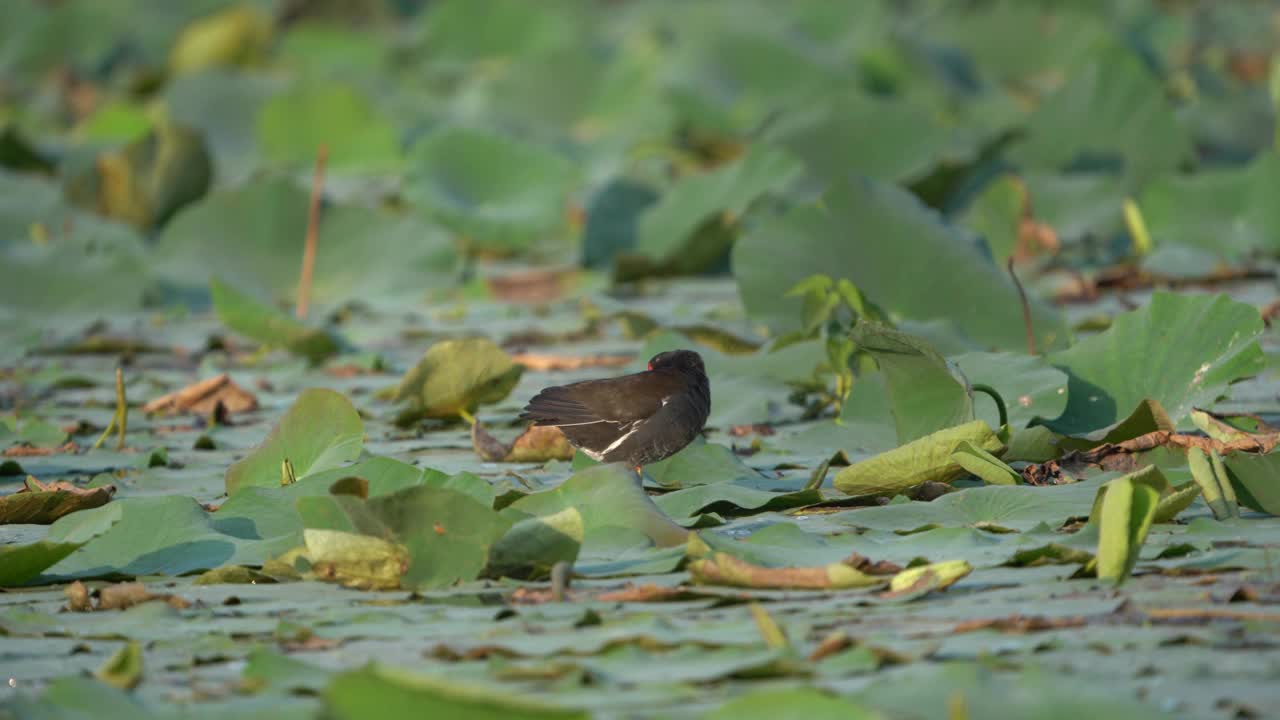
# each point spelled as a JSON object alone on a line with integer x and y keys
{"x": 614, "y": 445}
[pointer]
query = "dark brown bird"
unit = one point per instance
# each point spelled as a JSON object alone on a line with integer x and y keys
{"x": 637, "y": 419}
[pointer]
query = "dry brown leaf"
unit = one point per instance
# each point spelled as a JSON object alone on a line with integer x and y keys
{"x": 837, "y": 641}
{"x": 40, "y": 503}
{"x": 539, "y": 444}
{"x": 756, "y": 429}
{"x": 536, "y": 285}
{"x": 538, "y": 596}
{"x": 723, "y": 569}
{"x": 644, "y": 593}
{"x": 26, "y": 450}
{"x": 535, "y": 444}
{"x": 77, "y": 597}
{"x": 120, "y": 596}
{"x": 202, "y": 398}
{"x": 1020, "y": 624}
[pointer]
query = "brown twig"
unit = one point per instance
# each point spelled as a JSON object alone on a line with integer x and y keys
{"x": 313, "y": 228}
{"x": 1026, "y": 308}
{"x": 1210, "y": 614}
{"x": 1158, "y": 438}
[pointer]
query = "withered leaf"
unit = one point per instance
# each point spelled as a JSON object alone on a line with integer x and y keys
{"x": 202, "y": 398}
{"x": 40, "y": 503}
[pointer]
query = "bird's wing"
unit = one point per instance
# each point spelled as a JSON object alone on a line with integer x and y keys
{"x": 621, "y": 400}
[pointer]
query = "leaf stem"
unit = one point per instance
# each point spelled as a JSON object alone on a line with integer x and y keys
{"x": 991, "y": 393}
{"x": 122, "y": 409}
{"x": 313, "y": 228}
{"x": 119, "y": 418}
{"x": 1026, "y": 309}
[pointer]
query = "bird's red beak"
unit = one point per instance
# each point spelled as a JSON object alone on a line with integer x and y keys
{"x": 650, "y": 367}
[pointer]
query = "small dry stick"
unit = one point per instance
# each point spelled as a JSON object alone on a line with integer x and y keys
{"x": 1026, "y": 309}
{"x": 313, "y": 228}
{"x": 122, "y": 409}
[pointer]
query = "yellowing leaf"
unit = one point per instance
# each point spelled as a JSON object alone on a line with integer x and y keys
{"x": 929, "y": 459}
{"x": 455, "y": 376}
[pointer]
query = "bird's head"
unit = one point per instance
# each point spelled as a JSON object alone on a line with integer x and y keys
{"x": 679, "y": 360}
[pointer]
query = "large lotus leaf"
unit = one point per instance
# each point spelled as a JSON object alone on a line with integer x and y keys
{"x": 729, "y": 80}
{"x": 223, "y": 105}
{"x": 22, "y": 563}
{"x": 448, "y": 533}
{"x": 96, "y": 270}
{"x": 293, "y": 125}
{"x": 1256, "y": 480}
{"x": 173, "y": 535}
{"x": 1033, "y": 692}
{"x": 612, "y": 216}
{"x": 465, "y": 31}
{"x": 1015, "y": 507}
{"x": 60, "y": 261}
{"x": 1114, "y": 106}
{"x": 145, "y": 182}
{"x": 1077, "y": 205}
{"x": 776, "y": 704}
{"x": 924, "y": 395}
{"x": 231, "y": 37}
{"x": 533, "y": 546}
{"x": 554, "y": 94}
{"x": 609, "y": 498}
{"x": 394, "y": 694}
{"x": 701, "y": 463}
{"x": 996, "y": 214}
{"x": 666, "y": 229}
{"x": 731, "y": 499}
{"x": 457, "y": 376}
{"x": 866, "y": 425}
{"x": 73, "y": 696}
{"x": 1180, "y": 350}
{"x": 1029, "y": 386}
{"x": 892, "y": 247}
{"x": 322, "y": 51}
{"x": 1228, "y": 213}
{"x": 269, "y": 325}
{"x": 498, "y": 192}
{"x": 321, "y": 430}
{"x": 372, "y": 255}
{"x": 383, "y": 474}
{"x": 115, "y": 122}
{"x": 253, "y": 237}
{"x": 1038, "y": 41}
{"x": 887, "y": 139}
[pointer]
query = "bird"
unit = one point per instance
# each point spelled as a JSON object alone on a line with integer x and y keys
{"x": 637, "y": 419}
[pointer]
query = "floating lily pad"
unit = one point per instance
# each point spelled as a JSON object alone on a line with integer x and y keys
{"x": 292, "y": 126}
{"x": 397, "y": 694}
{"x": 497, "y": 192}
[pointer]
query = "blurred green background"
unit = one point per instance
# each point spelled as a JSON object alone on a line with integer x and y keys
{"x": 150, "y": 145}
